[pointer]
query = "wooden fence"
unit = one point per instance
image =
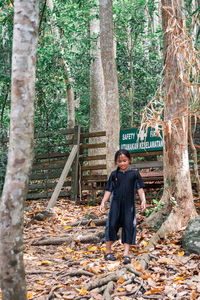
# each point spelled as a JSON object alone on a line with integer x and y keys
{"x": 51, "y": 154}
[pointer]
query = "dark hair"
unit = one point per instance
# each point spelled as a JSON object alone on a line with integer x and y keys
{"x": 120, "y": 152}
{"x": 117, "y": 154}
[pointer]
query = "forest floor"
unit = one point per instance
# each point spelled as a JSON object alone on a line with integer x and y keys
{"x": 64, "y": 259}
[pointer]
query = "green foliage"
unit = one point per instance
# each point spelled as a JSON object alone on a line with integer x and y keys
{"x": 156, "y": 208}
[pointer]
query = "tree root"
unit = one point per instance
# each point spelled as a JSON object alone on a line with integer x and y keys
{"x": 108, "y": 291}
{"x": 91, "y": 238}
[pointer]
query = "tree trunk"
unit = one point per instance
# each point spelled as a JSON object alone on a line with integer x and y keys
{"x": 66, "y": 72}
{"x": 20, "y": 149}
{"x": 130, "y": 63}
{"x": 177, "y": 197}
{"x": 110, "y": 80}
{"x": 97, "y": 90}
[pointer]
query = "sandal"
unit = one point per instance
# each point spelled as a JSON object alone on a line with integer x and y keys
{"x": 109, "y": 256}
{"x": 126, "y": 259}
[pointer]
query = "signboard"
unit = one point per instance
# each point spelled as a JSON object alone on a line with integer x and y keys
{"x": 131, "y": 141}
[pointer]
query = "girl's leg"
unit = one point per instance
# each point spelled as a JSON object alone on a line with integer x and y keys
{"x": 126, "y": 249}
{"x": 108, "y": 246}
{"x": 126, "y": 259}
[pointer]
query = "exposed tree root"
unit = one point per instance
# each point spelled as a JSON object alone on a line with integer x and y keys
{"x": 108, "y": 291}
{"x": 91, "y": 238}
{"x": 176, "y": 221}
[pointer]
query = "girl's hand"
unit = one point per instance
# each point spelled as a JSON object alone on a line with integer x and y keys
{"x": 102, "y": 206}
{"x": 143, "y": 205}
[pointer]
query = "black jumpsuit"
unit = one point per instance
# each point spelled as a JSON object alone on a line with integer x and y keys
{"x": 123, "y": 186}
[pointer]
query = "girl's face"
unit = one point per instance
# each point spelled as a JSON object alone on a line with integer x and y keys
{"x": 123, "y": 162}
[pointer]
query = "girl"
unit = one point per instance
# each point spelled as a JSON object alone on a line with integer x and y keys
{"x": 122, "y": 185}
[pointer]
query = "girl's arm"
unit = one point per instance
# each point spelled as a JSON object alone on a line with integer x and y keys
{"x": 105, "y": 198}
{"x": 142, "y": 199}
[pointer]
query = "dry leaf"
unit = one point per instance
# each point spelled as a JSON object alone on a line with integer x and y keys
{"x": 121, "y": 289}
{"x": 69, "y": 250}
{"x": 46, "y": 262}
{"x": 178, "y": 279}
{"x": 41, "y": 282}
{"x": 94, "y": 248}
{"x": 120, "y": 280}
{"x": 181, "y": 253}
{"x": 29, "y": 295}
{"x": 92, "y": 224}
{"x": 83, "y": 291}
{"x": 67, "y": 227}
{"x": 154, "y": 291}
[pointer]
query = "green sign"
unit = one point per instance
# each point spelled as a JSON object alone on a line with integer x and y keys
{"x": 131, "y": 141}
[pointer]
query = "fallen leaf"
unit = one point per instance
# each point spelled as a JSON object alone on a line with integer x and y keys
{"x": 83, "y": 291}
{"x": 29, "y": 295}
{"x": 69, "y": 250}
{"x": 67, "y": 227}
{"x": 154, "y": 291}
{"x": 121, "y": 289}
{"x": 46, "y": 262}
{"x": 41, "y": 282}
{"x": 94, "y": 248}
{"x": 92, "y": 224}
{"x": 120, "y": 280}
{"x": 181, "y": 253}
{"x": 178, "y": 279}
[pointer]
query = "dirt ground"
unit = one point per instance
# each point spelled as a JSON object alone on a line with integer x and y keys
{"x": 64, "y": 259}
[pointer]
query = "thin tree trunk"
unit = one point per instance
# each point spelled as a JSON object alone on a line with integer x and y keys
{"x": 20, "y": 149}
{"x": 110, "y": 80}
{"x": 66, "y": 71}
{"x": 132, "y": 87}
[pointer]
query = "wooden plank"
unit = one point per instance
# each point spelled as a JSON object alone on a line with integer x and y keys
{"x": 141, "y": 154}
{"x": 49, "y": 175}
{"x": 46, "y": 185}
{"x": 92, "y": 134}
{"x": 147, "y": 164}
{"x": 53, "y": 166}
{"x": 49, "y": 162}
{"x": 94, "y": 178}
{"x": 52, "y": 155}
{"x": 75, "y": 166}
{"x": 35, "y": 196}
{"x": 91, "y": 146}
{"x": 96, "y": 167}
{"x": 63, "y": 176}
{"x": 89, "y": 158}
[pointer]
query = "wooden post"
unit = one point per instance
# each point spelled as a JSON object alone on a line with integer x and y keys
{"x": 75, "y": 166}
{"x": 63, "y": 176}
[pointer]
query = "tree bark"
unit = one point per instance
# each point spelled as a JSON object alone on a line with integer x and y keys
{"x": 20, "y": 149}
{"x": 110, "y": 80}
{"x": 66, "y": 72}
{"x": 97, "y": 90}
{"x": 177, "y": 198}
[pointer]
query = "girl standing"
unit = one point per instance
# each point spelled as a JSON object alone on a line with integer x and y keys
{"x": 122, "y": 185}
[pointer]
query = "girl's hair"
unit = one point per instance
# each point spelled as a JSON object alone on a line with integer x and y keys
{"x": 117, "y": 154}
{"x": 120, "y": 152}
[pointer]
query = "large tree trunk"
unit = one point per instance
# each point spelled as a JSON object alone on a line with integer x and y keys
{"x": 20, "y": 149}
{"x": 97, "y": 90}
{"x": 110, "y": 80}
{"x": 177, "y": 197}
